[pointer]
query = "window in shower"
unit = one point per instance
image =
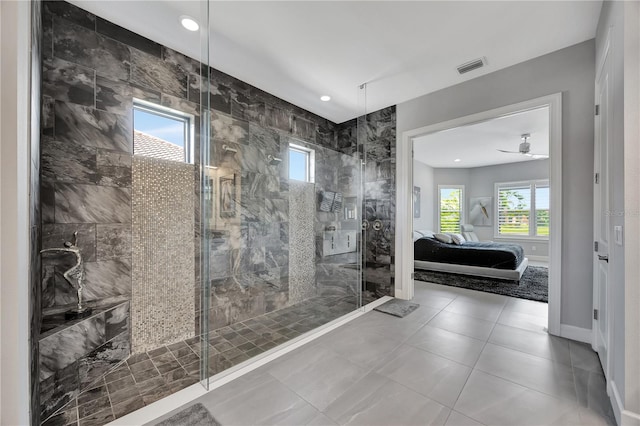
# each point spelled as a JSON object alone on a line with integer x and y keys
{"x": 301, "y": 163}
{"x": 162, "y": 132}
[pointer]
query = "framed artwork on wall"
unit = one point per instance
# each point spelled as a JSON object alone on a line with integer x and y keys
{"x": 416, "y": 201}
{"x": 481, "y": 211}
{"x": 227, "y": 196}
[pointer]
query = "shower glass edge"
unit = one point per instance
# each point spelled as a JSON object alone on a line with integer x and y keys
{"x": 205, "y": 189}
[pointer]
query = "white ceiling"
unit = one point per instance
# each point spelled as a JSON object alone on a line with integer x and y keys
{"x": 476, "y": 145}
{"x": 299, "y": 50}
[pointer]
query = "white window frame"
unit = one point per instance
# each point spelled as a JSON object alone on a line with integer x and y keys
{"x": 163, "y": 111}
{"x": 310, "y": 167}
{"x": 532, "y": 210}
{"x": 462, "y": 204}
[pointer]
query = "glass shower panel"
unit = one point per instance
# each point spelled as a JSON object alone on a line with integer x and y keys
{"x": 207, "y": 192}
{"x": 282, "y": 198}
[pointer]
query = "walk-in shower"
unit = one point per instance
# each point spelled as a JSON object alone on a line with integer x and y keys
{"x": 215, "y": 221}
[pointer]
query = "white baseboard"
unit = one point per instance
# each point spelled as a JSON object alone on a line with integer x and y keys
{"x": 575, "y": 333}
{"x": 616, "y": 400}
{"x": 537, "y": 258}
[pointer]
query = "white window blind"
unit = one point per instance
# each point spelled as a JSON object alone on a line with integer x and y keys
{"x": 523, "y": 208}
{"x": 450, "y": 208}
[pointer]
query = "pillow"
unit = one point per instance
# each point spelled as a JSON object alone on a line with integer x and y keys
{"x": 428, "y": 234}
{"x": 417, "y": 235}
{"x": 443, "y": 238}
{"x": 457, "y": 239}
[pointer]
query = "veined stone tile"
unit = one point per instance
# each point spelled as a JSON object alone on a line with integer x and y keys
{"x": 69, "y": 82}
{"x": 113, "y": 241}
{"x": 92, "y": 204}
{"x": 85, "y": 47}
{"x": 113, "y": 96}
{"x": 88, "y": 126}
{"x": 107, "y": 278}
{"x": 154, "y": 73}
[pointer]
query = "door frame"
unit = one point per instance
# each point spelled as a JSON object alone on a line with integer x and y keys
{"x": 404, "y": 287}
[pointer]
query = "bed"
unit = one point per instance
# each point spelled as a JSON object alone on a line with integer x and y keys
{"x": 479, "y": 258}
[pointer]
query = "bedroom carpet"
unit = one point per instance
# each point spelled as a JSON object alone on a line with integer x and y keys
{"x": 533, "y": 284}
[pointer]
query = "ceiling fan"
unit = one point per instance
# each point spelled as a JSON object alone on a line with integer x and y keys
{"x": 524, "y": 148}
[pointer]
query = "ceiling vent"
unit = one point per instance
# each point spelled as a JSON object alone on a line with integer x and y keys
{"x": 472, "y": 65}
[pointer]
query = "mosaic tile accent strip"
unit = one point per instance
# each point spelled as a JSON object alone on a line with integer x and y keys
{"x": 302, "y": 245}
{"x": 162, "y": 252}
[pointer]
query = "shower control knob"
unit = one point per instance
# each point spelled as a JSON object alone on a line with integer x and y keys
{"x": 377, "y": 225}
{"x": 365, "y": 225}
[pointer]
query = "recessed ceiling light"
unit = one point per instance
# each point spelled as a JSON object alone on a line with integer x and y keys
{"x": 325, "y": 98}
{"x": 457, "y": 160}
{"x": 189, "y": 23}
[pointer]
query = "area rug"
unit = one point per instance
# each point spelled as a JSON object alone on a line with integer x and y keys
{"x": 397, "y": 308}
{"x": 195, "y": 415}
{"x": 533, "y": 284}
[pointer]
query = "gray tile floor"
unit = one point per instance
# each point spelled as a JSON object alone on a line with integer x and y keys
{"x": 462, "y": 358}
{"x": 149, "y": 376}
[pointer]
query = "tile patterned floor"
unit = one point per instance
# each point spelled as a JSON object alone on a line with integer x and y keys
{"x": 462, "y": 358}
{"x": 147, "y": 377}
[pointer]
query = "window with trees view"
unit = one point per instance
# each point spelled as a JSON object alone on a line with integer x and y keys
{"x": 523, "y": 209}
{"x": 451, "y": 207}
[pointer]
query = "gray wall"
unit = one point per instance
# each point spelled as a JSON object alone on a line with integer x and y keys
{"x": 570, "y": 71}
{"x": 423, "y": 178}
{"x": 612, "y": 15}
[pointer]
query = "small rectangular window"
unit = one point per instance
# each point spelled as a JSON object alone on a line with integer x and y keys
{"x": 450, "y": 207}
{"x": 301, "y": 163}
{"x": 162, "y": 132}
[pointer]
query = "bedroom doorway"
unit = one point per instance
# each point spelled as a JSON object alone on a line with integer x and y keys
{"x": 491, "y": 183}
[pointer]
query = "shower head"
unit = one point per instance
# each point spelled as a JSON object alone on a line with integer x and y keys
{"x": 227, "y": 149}
{"x": 273, "y": 161}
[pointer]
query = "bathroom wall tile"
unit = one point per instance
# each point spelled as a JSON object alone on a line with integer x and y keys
{"x": 55, "y": 235}
{"x": 181, "y": 105}
{"x": 65, "y": 347}
{"x": 246, "y": 108}
{"x": 85, "y": 47}
{"x": 71, "y": 13}
{"x": 113, "y": 241}
{"x": 127, "y": 37}
{"x": 103, "y": 359}
{"x": 69, "y": 82}
{"x": 219, "y": 93}
{"x": 58, "y": 390}
{"x": 92, "y": 204}
{"x": 154, "y": 73}
{"x": 107, "y": 278}
{"x": 48, "y": 286}
{"x": 278, "y": 118}
{"x": 276, "y": 209}
{"x": 113, "y": 96}
{"x": 68, "y": 162}
{"x": 228, "y": 129}
{"x": 266, "y": 140}
{"x": 47, "y": 116}
{"x": 91, "y": 127}
{"x": 253, "y": 159}
{"x": 303, "y": 129}
{"x": 116, "y": 321}
{"x": 113, "y": 168}
{"x": 145, "y": 94}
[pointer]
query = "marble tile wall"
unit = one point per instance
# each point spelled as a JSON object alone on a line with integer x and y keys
{"x": 162, "y": 253}
{"x": 35, "y": 228}
{"x": 74, "y": 355}
{"x": 377, "y": 133}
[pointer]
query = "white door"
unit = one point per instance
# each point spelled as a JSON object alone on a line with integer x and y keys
{"x": 601, "y": 299}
